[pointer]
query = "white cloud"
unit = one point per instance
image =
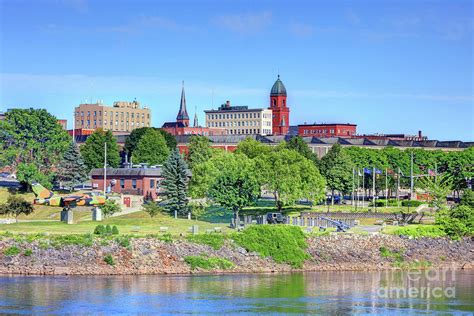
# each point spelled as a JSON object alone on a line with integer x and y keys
{"x": 301, "y": 30}
{"x": 248, "y": 23}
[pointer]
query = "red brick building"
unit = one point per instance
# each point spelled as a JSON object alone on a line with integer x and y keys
{"x": 327, "y": 130}
{"x": 135, "y": 181}
{"x": 280, "y": 109}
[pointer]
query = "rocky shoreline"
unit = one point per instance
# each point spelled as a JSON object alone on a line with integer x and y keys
{"x": 153, "y": 256}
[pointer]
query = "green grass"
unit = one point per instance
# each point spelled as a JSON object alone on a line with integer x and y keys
{"x": 416, "y": 231}
{"x": 215, "y": 240}
{"x": 109, "y": 260}
{"x": 285, "y": 244}
{"x": 396, "y": 255}
{"x": 208, "y": 263}
{"x": 28, "y": 252}
{"x": 11, "y": 251}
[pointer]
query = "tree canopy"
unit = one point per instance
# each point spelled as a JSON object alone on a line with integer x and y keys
{"x": 199, "y": 150}
{"x": 132, "y": 140}
{"x": 93, "y": 150}
{"x": 175, "y": 184}
{"x": 151, "y": 148}
{"x": 336, "y": 167}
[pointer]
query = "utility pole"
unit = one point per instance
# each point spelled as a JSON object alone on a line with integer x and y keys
{"x": 105, "y": 168}
{"x": 411, "y": 177}
{"x": 353, "y": 170}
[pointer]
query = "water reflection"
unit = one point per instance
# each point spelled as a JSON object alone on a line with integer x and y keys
{"x": 320, "y": 292}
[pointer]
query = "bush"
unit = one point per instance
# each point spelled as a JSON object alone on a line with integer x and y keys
{"x": 208, "y": 263}
{"x": 457, "y": 222}
{"x": 78, "y": 240}
{"x": 123, "y": 241}
{"x": 28, "y": 252}
{"x": 99, "y": 230}
{"x": 215, "y": 240}
{"x": 152, "y": 208}
{"x": 11, "y": 251}
{"x": 396, "y": 255}
{"x": 110, "y": 207}
{"x": 108, "y": 230}
{"x": 284, "y": 243}
{"x": 115, "y": 230}
{"x": 109, "y": 260}
{"x": 432, "y": 231}
{"x": 411, "y": 203}
{"x": 166, "y": 237}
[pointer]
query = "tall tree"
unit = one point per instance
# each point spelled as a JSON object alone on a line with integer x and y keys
{"x": 199, "y": 150}
{"x": 170, "y": 139}
{"x": 93, "y": 150}
{"x": 27, "y": 173}
{"x": 290, "y": 177}
{"x": 252, "y": 148}
{"x": 132, "y": 140}
{"x": 175, "y": 184}
{"x": 299, "y": 145}
{"x": 72, "y": 169}
{"x": 204, "y": 174}
{"x": 32, "y": 136}
{"x": 236, "y": 185}
{"x": 336, "y": 167}
{"x": 151, "y": 149}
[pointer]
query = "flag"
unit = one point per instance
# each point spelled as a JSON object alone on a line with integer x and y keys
{"x": 378, "y": 171}
{"x": 367, "y": 170}
{"x": 431, "y": 173}
{"x": 390, "y": 171}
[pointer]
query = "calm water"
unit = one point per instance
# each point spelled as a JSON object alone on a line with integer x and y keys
{"x": 339, "y": 293}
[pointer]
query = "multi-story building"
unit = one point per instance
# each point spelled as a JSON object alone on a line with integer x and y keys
{"x": 122, "y": 117}
{"x": 327, "y": 130}
{"x": 240, "y": 120}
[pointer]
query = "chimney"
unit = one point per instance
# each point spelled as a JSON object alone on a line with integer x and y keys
{"x": 419, "y": 134}
{"x": 227, "y": 104}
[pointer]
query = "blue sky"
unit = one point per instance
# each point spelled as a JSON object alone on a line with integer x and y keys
{"x": 388, "y": 66}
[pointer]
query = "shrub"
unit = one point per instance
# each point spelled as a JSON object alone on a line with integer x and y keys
{"x": 78, "y": 240}
{"x": 115, "y": 230}
{"x": 166, "y": 238}
{"x": 208, "y": 263}
{"x": 108, "y": 230}
{"x": 123, "y": 241}
{"x": 432, "y": 231}
{"x": 284, "y": 243}
{"x": 215, "y": 240}
{"x": 109, "y": 260}
{"x": 28, "y": 252}
{"x": 457, "y": 222}
{"x": 110, "y": 207}
{"x": 411, "y": 203}
{"x": 387, "y": 253}
{"x": 11, "y": 251}
{"x": 99, "y": 230}
{"x": 152, "y": 208}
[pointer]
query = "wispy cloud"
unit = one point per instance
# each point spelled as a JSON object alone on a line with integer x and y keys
{"x": 301, "y": 30}
{"x": 244, "y": 24}
{"x": 144, "y": 23}
{"x": 352, "y": 17}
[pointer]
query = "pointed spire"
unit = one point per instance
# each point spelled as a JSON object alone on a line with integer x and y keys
{"x": 196, "y": 123}
{"x": 183, "y": 113}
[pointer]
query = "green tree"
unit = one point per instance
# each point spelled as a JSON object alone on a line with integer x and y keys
{"x": 72, "y": 169}
{"x": 336, "y": 167}
{"x": 28, "y": 173}
{"x": 299, "y": 145}
{"x": 151, "y": 149}
{"x": 16, "y": 206}
{"x": 152, "y": 208}
{"x": 32, "y": 136}
{"x": 175, "y": 184}
{"x": 132, "y": 140}
{"x": 468, "y": 198}
{"x": 290, "y": 177}
{"x": 438, "y": 189}
{"x": 198, "y": 208}
{"x": 457, "y": 222}
{"x": 170, "y": 139}
{"x": 252, "y": 148}
{"x": 199, "y": 150}
{"x": 236, "y": 185}
{"x": 110, "y": 207}
{"x": 93, "y": 150}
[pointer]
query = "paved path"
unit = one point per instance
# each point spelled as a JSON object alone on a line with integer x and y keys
{"x": 129, "y": 210}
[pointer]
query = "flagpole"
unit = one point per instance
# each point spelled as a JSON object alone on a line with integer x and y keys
{"x": 105, "y": 168}
{"x": 353, "y": 170}
{"x": 398, "y": 187}
{"x": 373, "y": 188}
{"x": 358, "y": 186}
{"x": 411, "y": 177}
{"x": 363, "y": 186}
{"x": 386, "y": 187}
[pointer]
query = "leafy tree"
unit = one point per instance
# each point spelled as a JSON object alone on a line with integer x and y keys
{"x": 460, "y": 167}
{"x": 151, "y": 149}
{"x": 236, "y": 185}
{"x": 72, "y": 169}
{"x": 93, "y": 150}
{"x": 290, "y": 177}
{"x": 16, "y": 206}
{"x": 252, "y": 148}
{"x": 337, "y": 168}
{"x": 175, "y": 184}
{"x": 28, "y": 173}
{"x": 457, "y": 222}
{"x": 198, "y": 208}
{"x": 152, "y": 208}
{"x": 32, "y": 136}
{"x": 438, "y": 189}
{"x": 468, "y": 198}
{"x": 133, "y": 139}
{"x": 299, "y": 145}
{"x": 110, "y": 207}
{"x": 199, "y": 150}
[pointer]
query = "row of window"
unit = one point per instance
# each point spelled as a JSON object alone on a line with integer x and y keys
{"x": 244, "y": 123}
{"x": 134, "y": 183}
{"x": 283, "y": 102}
{"x": 234, "y": 116}
{"x": 325, "y": 131}
{"x": 88, "y": 124}
{"x": 249, "y": 131}
{"x": 127, "y": 114}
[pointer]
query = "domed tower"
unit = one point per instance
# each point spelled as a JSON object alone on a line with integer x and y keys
{"x": 280, "y": 110}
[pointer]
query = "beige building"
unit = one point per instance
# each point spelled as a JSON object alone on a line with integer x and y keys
{"x": 121, "y": 117}
{"x": 240, "y": 120}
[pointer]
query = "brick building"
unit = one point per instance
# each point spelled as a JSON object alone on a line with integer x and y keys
{"x": 181, "y": 125}
{"x": 279, "y": 108}
{"x": 327, "y": 130}
{"x": 134, "y": 181}
{"x": 122, "y": 117}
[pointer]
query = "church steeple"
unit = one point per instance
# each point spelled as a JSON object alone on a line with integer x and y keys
{"x": 279, "y": 107}
{"x": 196, "y": 123}
{"x": 183, "y": 113}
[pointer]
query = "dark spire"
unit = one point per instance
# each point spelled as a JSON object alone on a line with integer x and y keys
{"x": 196, "y": 123}
{"x": 183, "y": 113}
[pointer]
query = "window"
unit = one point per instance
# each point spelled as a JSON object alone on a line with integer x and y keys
{"x": 152, "y": 183}
{"x": 284, "y": 103}
{"x": 274, "y": 102}
{"x": 122, "y": 183}
{"x": 134, "y": 183}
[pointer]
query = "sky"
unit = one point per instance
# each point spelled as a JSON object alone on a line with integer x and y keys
{"x": 387, "y": 66}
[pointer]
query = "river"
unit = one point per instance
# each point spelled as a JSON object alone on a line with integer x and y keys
{"x": 326, "y": 293}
